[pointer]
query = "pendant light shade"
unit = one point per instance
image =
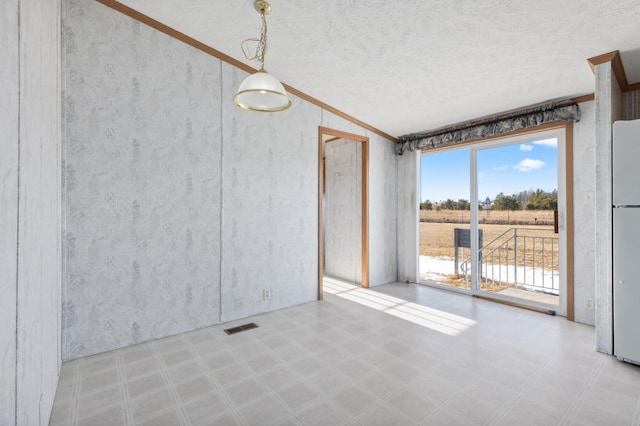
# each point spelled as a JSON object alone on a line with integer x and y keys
{"x": 262, "y": 92}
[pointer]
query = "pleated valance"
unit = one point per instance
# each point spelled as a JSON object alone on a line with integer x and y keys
{"x": 492, "y": 126}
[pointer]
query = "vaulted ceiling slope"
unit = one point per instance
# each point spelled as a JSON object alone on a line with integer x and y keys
{"x": 411, "y": 65}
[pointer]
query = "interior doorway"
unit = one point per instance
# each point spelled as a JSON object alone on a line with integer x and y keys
{"x": 343, "y": 210}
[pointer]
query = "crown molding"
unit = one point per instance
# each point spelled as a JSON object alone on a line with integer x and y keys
{"x": 584, "y": 98}
{"x": 618, "y": 69}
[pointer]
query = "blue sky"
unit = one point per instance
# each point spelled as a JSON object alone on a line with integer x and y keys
{"x": 508, "y": 169}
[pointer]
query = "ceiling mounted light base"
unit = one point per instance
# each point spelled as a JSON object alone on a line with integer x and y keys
{"x": 262, "y": 7}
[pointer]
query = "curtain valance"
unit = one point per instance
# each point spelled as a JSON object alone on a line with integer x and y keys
{"x": 493, "y": 126}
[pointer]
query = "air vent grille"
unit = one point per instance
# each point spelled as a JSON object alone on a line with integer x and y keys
{"x": 240, "y": 328}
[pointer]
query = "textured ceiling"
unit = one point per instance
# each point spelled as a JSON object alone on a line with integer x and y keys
{"x": 411, "y": 65}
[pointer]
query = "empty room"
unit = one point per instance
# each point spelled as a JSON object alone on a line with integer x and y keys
{"x": 319, "y": 213}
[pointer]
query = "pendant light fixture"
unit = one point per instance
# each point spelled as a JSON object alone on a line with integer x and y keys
{"x": 261, "y": 91}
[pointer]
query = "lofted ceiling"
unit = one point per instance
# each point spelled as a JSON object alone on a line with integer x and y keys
{"x": 411, "y": 65}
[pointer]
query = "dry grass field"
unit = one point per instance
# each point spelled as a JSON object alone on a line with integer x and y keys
{"x": 436, "y": 237}
{"x": 496, "y": 217}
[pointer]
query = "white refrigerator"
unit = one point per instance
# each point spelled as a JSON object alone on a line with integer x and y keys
{"x": 626, "y": 240}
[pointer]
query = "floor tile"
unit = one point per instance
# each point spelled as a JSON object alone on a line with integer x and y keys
{"x": 177, "y": 357}
{"x": 328, "y": 381}
{"x": 279, "y": 378}
{"x": 100, "y": 380}
{"x": 410, "y": 405}
{"x": 169, "y": 418}
{"x": 194, "y": 388}
{"x": 381, "y": 416}
{"x": 354, "y": 400}
{"x": 447, "y": 417}
{"x": 598, "y": 415}
{"x": 108, "y": 417}
{"x": 145, "y": 384}
{"x": 533, "y": 413}
{"x": 136, "y": 353}
{"x": 184, "y": 372}
{"x": 264, "y": 411}
{"x": 209, "y": 406}
{"x": 480, "y": 408}
{"x": 90, "y": 403}
{"x": 322, "y": 414}
{"x": 151, "y": 404}
{"x": 140, "y": 368}
{"x": 245, "y": 391}
{"x": 298, "y": 395}
{"x": 379, "y": 385}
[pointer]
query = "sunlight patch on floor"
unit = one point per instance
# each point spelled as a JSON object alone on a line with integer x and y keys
{"x": 424, "y": 316}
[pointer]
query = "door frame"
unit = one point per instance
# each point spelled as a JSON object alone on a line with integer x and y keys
{"x": 567, "y": 126}
{"x": 325, "y": 133}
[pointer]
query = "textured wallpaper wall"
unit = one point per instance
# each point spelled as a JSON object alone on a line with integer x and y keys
{"x": 181, "y": 209}
{"x": 631, "y": 105}
{"x": 269, "y": 205}
{"x": 343, "y": 210}
{"x": 10, "y": 130}
{"x": 30, "y": 211}
{"x": 142, "y": 180}
{"x": 584, "y": 212}
{"x": 383, "y": 211}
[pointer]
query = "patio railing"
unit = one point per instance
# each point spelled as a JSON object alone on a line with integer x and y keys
{"x": 519, "y": 257}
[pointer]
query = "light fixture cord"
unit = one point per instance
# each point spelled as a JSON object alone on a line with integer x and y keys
{"x": 261, "y": 49}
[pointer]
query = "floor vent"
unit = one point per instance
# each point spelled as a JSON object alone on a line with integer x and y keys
{"x": 240, "y": 328}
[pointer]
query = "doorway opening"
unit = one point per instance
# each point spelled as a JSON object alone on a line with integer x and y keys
{"x": 343, "y": 209}
{"x": 496, "y": 219}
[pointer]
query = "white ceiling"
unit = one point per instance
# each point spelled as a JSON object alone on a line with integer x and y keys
{"x": 410, "y": 65}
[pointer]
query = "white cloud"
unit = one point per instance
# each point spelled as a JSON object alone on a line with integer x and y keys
{"x": 528, "y": 165}
{"x": 526, "y": 147}
{"x": 500, "y": 168}
{"x": 480, "y": 175}
{"x": 553, "y": 143}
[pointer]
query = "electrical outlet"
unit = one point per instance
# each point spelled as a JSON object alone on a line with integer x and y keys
{"x": 588, "y": 303}
{"x": 266, "y": 294}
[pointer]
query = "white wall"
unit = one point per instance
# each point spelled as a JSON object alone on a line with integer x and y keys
{"x": 631, "y": 105}
{"x": 584, "y": 213}
{"x": 608, "y": 109}
{"x": 383, "y": 211}
{"x": 269, "y": 204}
{"x": 9, "y": 146}
{"x": 30, "y": 218}
{"x": 142, "y": 182}
{"x": 181, "y": 208}
{"x": 408, "y": 205}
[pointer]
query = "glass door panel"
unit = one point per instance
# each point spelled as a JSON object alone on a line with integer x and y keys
{"x": 517, "y": 187}
{"x": 445, "y": 219}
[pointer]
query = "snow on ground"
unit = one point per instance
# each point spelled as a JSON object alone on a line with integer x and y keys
{"x": 436, "y": 269}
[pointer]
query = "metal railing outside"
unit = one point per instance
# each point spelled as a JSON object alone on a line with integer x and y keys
{"x": 525, "y": 258}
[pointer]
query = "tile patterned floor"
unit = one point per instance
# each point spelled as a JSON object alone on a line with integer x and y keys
{"x": 399, "y": 354}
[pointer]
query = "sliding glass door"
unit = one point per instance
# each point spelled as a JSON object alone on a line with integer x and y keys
{"x": 505, "y": 237}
